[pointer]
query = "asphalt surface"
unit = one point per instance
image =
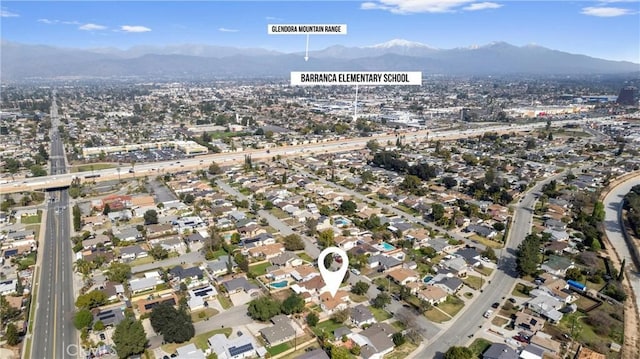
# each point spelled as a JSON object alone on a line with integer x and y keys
{"x": 54, "y": 335}
{"x": 203, "y": 161}
{"x": 613, "y": 228}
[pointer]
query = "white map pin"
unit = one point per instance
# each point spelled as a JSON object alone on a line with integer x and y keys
{"x": 331, "y": 279}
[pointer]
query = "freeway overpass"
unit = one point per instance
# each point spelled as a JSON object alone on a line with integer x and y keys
{"x": 63, "y": 180}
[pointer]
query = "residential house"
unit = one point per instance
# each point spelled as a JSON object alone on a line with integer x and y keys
{"x": 546, "y": 305}
{"x": 109, "y": 317}
{"x": 239, "y": 284}
{"x": 383, "y": 263}
{"x": 529, "y": 322}
{"x": 433, "y": 294}
{"x": 132, "y": 252}
{"x": 331, "y": 304}
{"x": 98, "y": 239}
{"x": 481, "y": 230}
{"x": 403, "y": 276}
{"x": 499, "y": 351}
{"x": 286, "y": 259}
{"x": 532, "y": 352}
{"x": 361, "y": 315}
{"x": 546, "y": 342}
{"x": 190, "y": 351}
{"x": 159, "y": 230}
{"x": 146, "y": 305}
{"x": 237, "y": 348}
{"x": 267, "y": 251}
{"x": 220, "y": 266}
{"x": 280, "y": 332}
{"x": 586, "y": 353}
{"x": 314, "y": 354}
{"x": 557, "y": 265}
{"x": 375, "y": 342}
{"x": 449, "y": 284}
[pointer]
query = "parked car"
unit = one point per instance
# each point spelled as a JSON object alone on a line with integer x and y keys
{"x": 495, "y": 305}
{"x": 487, "y": 313}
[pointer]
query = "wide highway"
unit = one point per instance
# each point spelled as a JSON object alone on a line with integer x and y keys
{"x": 54, "y": 335}
{"x": 305, "y": 149}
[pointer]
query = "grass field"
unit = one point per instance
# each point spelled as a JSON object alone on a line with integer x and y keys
{"x": 199, "y": 340}
{"x": 304, "y": 256}
{"x": 328, "y": 326}
{"x": 95, "y": 167}
{"x": 499, "y": 321}
{"x": 473, "y": 282}
{"x": 259, "y": 269}
{"x": 517, "y": 291}
{"x": 486, "y": 271}
{"x": 357, "y": 298}
{"x": 140, "y": 261}
{"x": 31, "y": 219}
{"x": 275, "y": 350}
{"x": 479, "y": 346}
{"x": 436, "y": 315}
{"x": 380, "y": 314}
{"x": 224, "y": 301}
{"x": 486, "y": 241}
{"x": 451, "y": 306}
{"x": 208, "y": 313}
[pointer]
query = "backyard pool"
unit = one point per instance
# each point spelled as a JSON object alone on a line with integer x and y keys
{"x": 387, "y": 247}
{"x": 280, "y": 284}
{"x": 427, "y": 279}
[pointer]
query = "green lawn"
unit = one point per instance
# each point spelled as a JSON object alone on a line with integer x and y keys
{"x": 224, "y": 301}
{"x": 486, "y": 241}
{"x": 328, "y": 326}
{"x": 218, "y": 253}
{"x": 436, "y": 316}
{"x": 479, "y": 346}
{"x": 278, "y": 349}
{"x": 259, "y": 269}
{"x": 96, "y": 167}
{"x": 199, "y": 340}
{"x": 399, "y": 325}
{"x": 473, "y": 282}
{"x": 280, "y": 214}
{"x": 31, "y": 219}
{"x": 357, "y": 298}
{"x": 140, "y": 261}
{"x": 305, "y": 256}
{"x": 451, "y": 306}
{"x": 517, "y": 291}
{"x": 28, "y": 261}
{"x": 486, "y": 271}
{"x": 198, "y": 315}
{"x": 380, "y": 314}
{"x": 499, "y": 321}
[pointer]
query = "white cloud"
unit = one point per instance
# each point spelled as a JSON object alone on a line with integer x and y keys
{"x": 134, "y": 28}
{"x": 224, "y": 29}
{"x": 47, "y": 21}
{"x": 482, "y": 6}
{"x": 7, "y": 13}
{"x": 606, "y": 11}
{"x": 56, "y": 22}
{"x": 273, "y": 18}
{"x": 415, "y": 6}
{"x": 92, "y": 27}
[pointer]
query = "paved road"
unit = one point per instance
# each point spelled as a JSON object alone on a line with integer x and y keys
{"x": 469, "y": 320}
{"x": 54, "y": 335}
{"x": 613, "y": 227}
{"x": 202, "y": 162}
{"x": 309, "y": 247}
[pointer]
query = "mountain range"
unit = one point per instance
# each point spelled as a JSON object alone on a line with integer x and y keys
{"x": 22, "y": 61}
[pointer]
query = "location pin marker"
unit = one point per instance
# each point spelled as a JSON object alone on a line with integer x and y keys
{"x": 331, "y": 279}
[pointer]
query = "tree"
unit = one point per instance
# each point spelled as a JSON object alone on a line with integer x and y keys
{"x": 77, "y": 220}
{"x": 11, "y": 336}
{"x": 339, "y": 352}
{"x": 348, "y": 207}
{"x": 437, "y": 211}
{"x": 340, "y": 316}
{"x": 82, "y": 319}
{"x": 598, "y": 211}
{"x": 381, "y": 301}
{"x": 107, "y": 209}
{"x": 490, "y": 254}
{"x": 312, "y": 319}
{"x": 574, "y": 274}
{"x": 263, "y": 308}
{"x": 528, "y": 255}
{"x": 373, "y": 145}
{"x": 151, "y": 217}
{"x": 398, "y": 339}
{"x": 98, "y": 326}
{"x": 129, "y": 338}
{"x": 157, "y": 252}
{"x": 360, "y": 288}
{"x": 118, "y": 272}
{"x": 175, "y": 325}
{"x": 293, "y": 304}
{"x": 93, "y": 299}
{"x": 458, "y": 353}
{"x": 293, "y": 242}
{"x": 449, "y": 182}
{"x": 325, "y": 238}
{"x": 37, "y": 171}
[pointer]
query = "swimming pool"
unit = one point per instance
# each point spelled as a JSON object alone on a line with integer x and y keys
{"x": 386, "y": 246}
{"x": 280, "y": 284}
{"x": 427, "y": 279}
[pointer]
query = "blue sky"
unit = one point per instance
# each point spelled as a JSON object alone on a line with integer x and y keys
{"x": 607, "y": 28}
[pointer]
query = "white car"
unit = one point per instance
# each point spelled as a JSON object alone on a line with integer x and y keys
{"x": 487, "y": 313}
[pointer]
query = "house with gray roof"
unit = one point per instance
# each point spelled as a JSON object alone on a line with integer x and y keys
{"x": 450, "y": 284}
{"x": 220, "y": 265}
{"x": 375, "y": 342}
{"x": 499, "y": 351}
{"x": 384, "y": 262}
{"x": 108, "y": 317}
{"x": 132, "y": 252}
{"x": 237, "y": 348}
{"x": 239, "y": 284}
{"x": 361, "y": 315}
{"x": 557, "y": 265}
{"x": 280, "y": 332}
{"x": 139, "y": 285}
{"x": 314, "y": 354}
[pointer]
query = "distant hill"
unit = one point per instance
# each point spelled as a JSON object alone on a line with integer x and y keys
{"x": 20, "y": 61}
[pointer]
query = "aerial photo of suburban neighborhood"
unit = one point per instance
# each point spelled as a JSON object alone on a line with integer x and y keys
{"x": 298, "y": 179}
